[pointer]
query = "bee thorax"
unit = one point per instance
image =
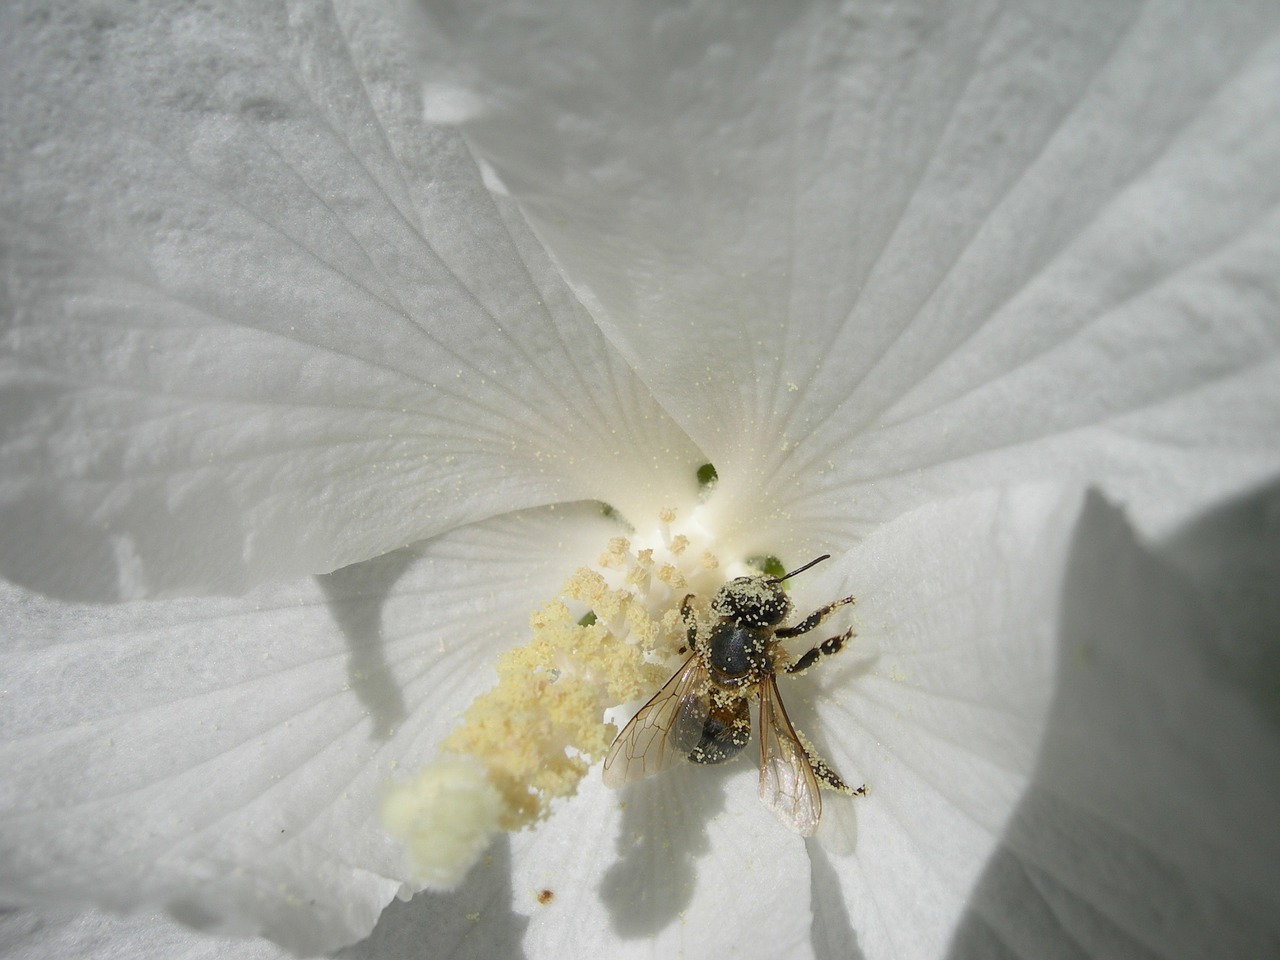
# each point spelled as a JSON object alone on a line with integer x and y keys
{"x": 739, "y": 653}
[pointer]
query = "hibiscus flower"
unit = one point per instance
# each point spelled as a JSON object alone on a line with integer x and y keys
{"x": 328, "y": 331}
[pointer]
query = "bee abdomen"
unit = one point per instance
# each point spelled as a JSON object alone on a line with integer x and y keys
{"x": 724, "y": 733}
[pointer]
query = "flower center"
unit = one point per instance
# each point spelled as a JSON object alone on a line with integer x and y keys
{"x": 612, "y": 636}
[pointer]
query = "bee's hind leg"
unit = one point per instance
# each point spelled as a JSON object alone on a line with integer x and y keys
{"x": 825, "y": 774}
{"x": 830, "y": 779}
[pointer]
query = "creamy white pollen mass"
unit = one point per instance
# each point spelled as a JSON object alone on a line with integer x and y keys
{"x": 446, "y": 817}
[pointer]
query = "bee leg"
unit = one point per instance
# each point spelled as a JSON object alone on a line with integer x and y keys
{"x": 690, "y": 623}
{"x": 812, "y": 620}
{"x": 832, "y": 780}
{"x": 825, "y": 649}
{"x": 828, "y": 777}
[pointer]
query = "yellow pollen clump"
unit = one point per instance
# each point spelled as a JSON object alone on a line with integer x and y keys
{"x": 532, "y": 738}
{"x": 641, "y": 570}
{"x": 540, "y": 729}
{"x": 615, "y": 553}
{"x": 671, "y": 576}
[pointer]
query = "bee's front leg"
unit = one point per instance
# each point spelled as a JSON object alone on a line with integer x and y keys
{"x": 690, "y": 622}
{"x": 813, "y": 619}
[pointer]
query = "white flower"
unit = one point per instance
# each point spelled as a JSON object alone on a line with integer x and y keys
{"x": 910, "y": 279}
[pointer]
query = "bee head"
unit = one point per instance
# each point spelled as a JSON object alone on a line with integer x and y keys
{"x": 752, "y": 602}
{"x": 757, "y": 601}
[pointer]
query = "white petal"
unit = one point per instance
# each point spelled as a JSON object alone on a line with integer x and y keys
{"x": 938, "y": 706}
{"x": 1063, "y": 743}
{"x": 1150, "y": 829}
{"x": 28, "y": 936}
{"x": 956, "y": 246}
{"x": 222, "y": 760}
{"x": 685, "y": 864}
{"x": 478, "y": 921}
{"x": 262, "y": 321}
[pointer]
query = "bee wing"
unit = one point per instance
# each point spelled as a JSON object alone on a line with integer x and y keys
{"x": 788, "y": 786}
{"x": 648, "y": 744}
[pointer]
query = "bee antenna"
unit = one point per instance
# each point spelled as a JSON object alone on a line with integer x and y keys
{"x": 788, "y": 576}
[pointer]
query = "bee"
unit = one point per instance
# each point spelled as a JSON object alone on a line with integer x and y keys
{"x": 702, "y": 713}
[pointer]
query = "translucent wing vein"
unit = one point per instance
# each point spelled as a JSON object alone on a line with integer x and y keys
{"x": 647, "y": 744}
{"x": 788, "y": 786}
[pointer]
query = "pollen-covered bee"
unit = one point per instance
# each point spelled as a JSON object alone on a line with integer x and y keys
{"x": 702, "y": 712}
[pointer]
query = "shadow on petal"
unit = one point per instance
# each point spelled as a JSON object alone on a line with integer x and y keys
{"x": 1149, "y": 826}
{"x": 474, "y": 921}
{"x": 663, "y": 833}
{"x": 833, "y": 935}
{"x": 146, "y": 553}
{"x": 356, "y": 595}
{"x": 1233, "y": 556}
{"x": 28, "y": 553}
